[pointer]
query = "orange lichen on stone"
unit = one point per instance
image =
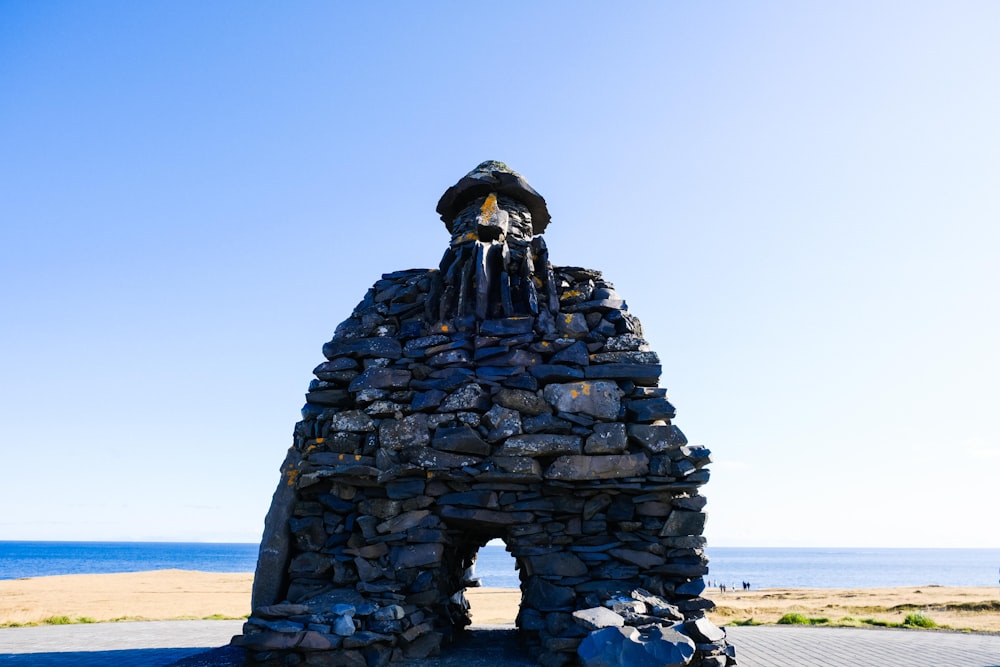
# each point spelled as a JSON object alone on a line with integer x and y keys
{"x": 465, "y": 238}
{"x": 489, "y": 207}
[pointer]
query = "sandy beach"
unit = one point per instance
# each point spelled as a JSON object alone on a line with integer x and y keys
{"x": 967, "y": 608}
{"x": 181, "y": 594}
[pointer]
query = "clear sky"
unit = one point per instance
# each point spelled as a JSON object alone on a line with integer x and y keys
{"x": 800, "y": 201}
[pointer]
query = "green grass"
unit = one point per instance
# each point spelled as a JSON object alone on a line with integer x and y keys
{"x": 799, "y": 619}
{"x": 57, "y": 620}
{"x": 918, "y": 621}
{"x": 911, "y": 621}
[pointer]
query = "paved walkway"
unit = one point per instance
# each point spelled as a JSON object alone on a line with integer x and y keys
{"x": 803, "y": 646}
{"x": 128, "y": 644}
{"x": 195, "y": 644}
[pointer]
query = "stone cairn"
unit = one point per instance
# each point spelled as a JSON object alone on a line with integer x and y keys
{"x": 495, "y": 397}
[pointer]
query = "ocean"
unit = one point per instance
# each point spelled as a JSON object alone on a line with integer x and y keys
{"x": 761, "y": 567}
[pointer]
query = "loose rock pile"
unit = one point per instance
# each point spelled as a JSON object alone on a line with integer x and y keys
{"x": 517, "y": 401}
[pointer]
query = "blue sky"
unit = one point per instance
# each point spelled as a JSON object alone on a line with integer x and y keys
{"x": 799, "y": 200}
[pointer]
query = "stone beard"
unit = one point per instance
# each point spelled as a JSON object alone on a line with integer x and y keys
{"x": 493, "y": 267}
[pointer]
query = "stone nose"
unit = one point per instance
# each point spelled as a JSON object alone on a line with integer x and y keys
{"x": 493, "y": 222}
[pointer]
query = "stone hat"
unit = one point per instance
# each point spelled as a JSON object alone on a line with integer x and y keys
{"x": 493, "y": 176}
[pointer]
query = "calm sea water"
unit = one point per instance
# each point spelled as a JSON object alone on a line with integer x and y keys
{"x": 38, "y": 559}
{"x": 762, "y": 567}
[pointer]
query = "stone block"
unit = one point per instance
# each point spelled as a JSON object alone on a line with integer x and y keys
{"x": 433, "y": 459}
{"x": 416, "y": 555}
{"x": 604, "y": 647}
{"x": 507, "y": 326}
{"x": 662, "y": 647}
{"x": 656, "y": 438}
{"x": 607, "y": 438}
{"x": 684, "y": 523}
{"x": 523, "y": 401}
{"x": 556, "y": 373}
{"x": 411, "y": 431}
{"x": 541, "y": 444}
{"x": 559, "y": 564}
{"x": 329, "y": 397}
{"x": 467, "y": 397}
{"x": 352, "y": 420}
{"x": 545, "y": 596}
{"x": 574, "y": 355}
{"x": 502, "y": 422}
{"x": 572, "y": 325}
{"x": 360, "y": 348}
{"x": 381, "y": 378}
{"x": 650, "y": 409}
{"x": 704, "y": 631}
{"x": 638, "y": 373}
{"x": 598, "y": 399}
{"x": 483, "y": 517}
{"x": 643, "y": 559}
{"x": 610, "y": 466}
{"x": 596, "y": 618}
{"x": 460, "y": 439}
{"x": 402, "y": 522}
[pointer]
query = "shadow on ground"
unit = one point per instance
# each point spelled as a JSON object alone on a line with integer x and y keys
{"x": 136, "y": 657}
{"x": 481, "y": 646}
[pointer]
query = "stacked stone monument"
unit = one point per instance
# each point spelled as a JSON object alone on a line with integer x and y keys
{"x": 495, "y": 397}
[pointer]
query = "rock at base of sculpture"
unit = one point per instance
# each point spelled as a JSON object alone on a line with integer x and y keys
{"x": 498, "y": 397}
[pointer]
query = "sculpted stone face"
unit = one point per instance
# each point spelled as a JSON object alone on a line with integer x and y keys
{"x": 491, "y": 219}
{"x": 494, "y": 397}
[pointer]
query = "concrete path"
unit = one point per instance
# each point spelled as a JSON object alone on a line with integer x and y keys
{"x": 197, "y": 644}
{"x": 803, "y": 646}
{"x": 128, "y": 644}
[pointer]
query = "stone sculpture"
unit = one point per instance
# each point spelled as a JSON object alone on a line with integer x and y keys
{"x": 495, "y": 397}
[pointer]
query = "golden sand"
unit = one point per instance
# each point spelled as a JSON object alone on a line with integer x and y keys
{"x": 182, "y": 594}
{"x": 967, "y": 608}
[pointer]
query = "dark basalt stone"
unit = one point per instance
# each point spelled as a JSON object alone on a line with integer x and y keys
{"x": 556, "y": 373}
{"x": 497, "y": 396}
{"x": 385, "y": 347}
{"x": 460, "y": 439}
{"x": 635, "y": 372}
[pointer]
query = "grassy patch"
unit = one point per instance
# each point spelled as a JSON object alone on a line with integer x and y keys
{"x": 800, "y": 619}
{"x": 911, "y": 621}
{"x": 918, "y": 621}
{"x": 57, "y": 620}
{"x": 748, "y": 621}
{"x": 988, "y": 605}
